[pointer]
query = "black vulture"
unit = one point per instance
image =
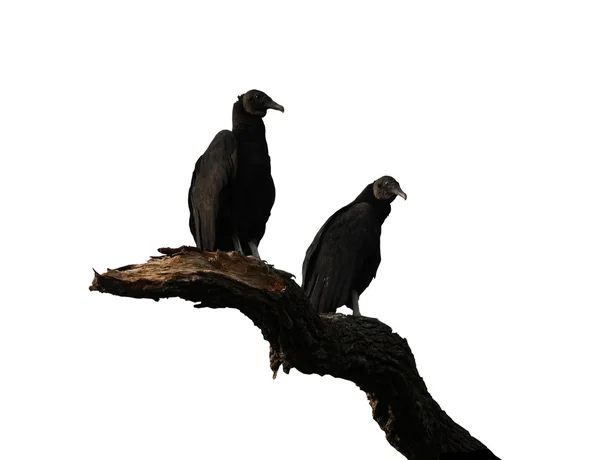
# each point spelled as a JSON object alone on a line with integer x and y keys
{"x": 343, "y": 258}
{"x": 232, "y": 191}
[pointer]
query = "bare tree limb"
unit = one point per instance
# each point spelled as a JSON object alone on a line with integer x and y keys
{"x": 359, "y": 349}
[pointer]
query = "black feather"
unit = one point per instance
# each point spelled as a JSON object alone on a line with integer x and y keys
{"x": 232, "y": 190}
{"x": 345, "y": 254}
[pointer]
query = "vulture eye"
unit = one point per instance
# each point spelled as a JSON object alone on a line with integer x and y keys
{"x": 256, "y": 96}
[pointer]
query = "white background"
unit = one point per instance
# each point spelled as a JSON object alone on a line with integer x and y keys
{"x": 487, "y": 114}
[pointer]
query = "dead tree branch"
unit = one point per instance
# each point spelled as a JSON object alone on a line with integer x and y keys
{"x": 362, "y": 350}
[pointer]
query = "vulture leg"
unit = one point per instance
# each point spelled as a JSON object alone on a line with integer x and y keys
{"x": 236, "y": 243}
{"x": 254, "y": 248}
{"x": 355, "y": 310}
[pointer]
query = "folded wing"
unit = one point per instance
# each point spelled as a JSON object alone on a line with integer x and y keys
{"x": 343, "y": 256}
{"x": 210, "y": 191}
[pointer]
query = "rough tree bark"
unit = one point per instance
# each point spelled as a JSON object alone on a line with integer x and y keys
{"x": 360, "y": 349}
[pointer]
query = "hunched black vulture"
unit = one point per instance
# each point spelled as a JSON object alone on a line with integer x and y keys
{"x": 343, "y": 258}
{"x": 232, "y": 191}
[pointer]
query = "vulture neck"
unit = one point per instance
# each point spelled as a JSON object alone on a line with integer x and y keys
{"x": 246, "y": 127}
{"x": 382, "y": 208}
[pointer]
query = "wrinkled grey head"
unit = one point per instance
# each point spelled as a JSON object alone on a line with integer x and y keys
{"x": 257, "y": 103}
{"x": 387, "y": 188}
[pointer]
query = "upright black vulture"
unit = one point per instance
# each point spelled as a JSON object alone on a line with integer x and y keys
{"x": 232, "y": 191}
{"x": 343, "y": 258}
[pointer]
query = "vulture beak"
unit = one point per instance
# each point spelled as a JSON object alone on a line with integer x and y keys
{"x": 399, "y": 192}
{"x": 271, "y": 104}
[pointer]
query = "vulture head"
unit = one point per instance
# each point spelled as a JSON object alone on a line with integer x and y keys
{"x": 257, "y": 103}
{"x": 387, "y": 188}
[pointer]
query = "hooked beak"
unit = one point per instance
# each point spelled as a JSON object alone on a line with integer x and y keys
{"x": 399, "y": 192}
{"x": 273, "y": 105}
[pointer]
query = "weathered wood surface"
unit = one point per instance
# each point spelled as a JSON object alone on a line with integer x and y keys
{"x": 360, "y": 349}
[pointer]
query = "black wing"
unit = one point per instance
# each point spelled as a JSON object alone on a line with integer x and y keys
{"x": 213, "y": 174}
{"x": 343, "y": 256}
